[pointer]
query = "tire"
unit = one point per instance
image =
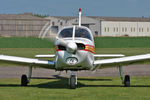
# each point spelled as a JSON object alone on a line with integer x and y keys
{"x": 73, "y": 82}
{"x": 24, "y": 80}
{"x": 127, "y": 81}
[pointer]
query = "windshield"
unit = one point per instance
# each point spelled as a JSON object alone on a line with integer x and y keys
{"x": 82, "y": 33}
{"x": 65, "y": 33}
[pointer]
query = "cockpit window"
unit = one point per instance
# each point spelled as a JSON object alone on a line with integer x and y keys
{"x": 82, "y": 33}
{"x": 66, "y": 33}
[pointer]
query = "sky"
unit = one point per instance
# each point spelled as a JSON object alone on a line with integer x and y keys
{"x": 110, "y": 8}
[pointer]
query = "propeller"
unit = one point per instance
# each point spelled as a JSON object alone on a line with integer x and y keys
{"x": 46, "y": 33}
{"x": 60, "y": 41}
{"x": 71, "y": 47}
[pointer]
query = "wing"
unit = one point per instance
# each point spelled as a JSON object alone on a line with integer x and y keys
{"x": 109, "y": 55}
{"x": 45, "y": 56}
{"x": 122, "y": 61}
{"x": 27, "y": 61}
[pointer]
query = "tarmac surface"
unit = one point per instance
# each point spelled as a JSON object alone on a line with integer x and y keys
{"x": 16, "y": 72}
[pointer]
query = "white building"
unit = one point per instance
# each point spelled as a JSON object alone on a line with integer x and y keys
{"x": 105, "y": 26}
{"x": 120, "y": 26}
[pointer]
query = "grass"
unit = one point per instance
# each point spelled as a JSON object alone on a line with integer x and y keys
{"x": 104, "y": 88}
{"x": 122, "y": 42}
{"x": 100, "y": 42}
{"x": 23, "y": 42}
{"x": 125, "y": 51}
{"x": 26, "y": 52}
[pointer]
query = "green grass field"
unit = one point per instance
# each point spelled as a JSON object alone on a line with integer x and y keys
{"x": 101, "y": 88}
{"x": 96, "y": 88}
{"x": 122, "y": 42}
{"x": 100, "y": 42}
{"x": 23, "y": 42}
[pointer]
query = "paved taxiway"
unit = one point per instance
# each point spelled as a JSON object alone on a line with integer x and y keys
{"x": 133, "y": 70}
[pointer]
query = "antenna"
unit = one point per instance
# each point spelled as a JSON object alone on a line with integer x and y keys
{"x": 80, "y": 14}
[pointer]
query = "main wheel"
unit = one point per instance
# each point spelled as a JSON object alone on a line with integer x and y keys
{"x": 73, "y": 82}
{"x": 127, "y": 81}
{"x": 24, "y": 80}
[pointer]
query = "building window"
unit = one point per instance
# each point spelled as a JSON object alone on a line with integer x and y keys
{"x": 105, "y": 29}
{"x": 147, "y": 29}
{"x": 53, "y": 23}
{"x": 123, "y": 29}
{"x": 117, "y": 29}
{"x": 142, "y": 29}
{"x": 61, "y": 23}
{"x": 139, "y": 29}
{"x": 131, "y": 29}
{"x": 66, "y": 21}
{"x": 108, "y": 29}
{"x": 114, "y": 29}
{"x": 134, "y": 29}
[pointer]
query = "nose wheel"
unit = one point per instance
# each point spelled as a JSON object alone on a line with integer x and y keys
{"x": 73, "y": 81}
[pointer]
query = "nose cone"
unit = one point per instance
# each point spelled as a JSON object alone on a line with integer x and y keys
{"x": 71, "y": 47}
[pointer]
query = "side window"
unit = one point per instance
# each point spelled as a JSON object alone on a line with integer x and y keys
{"x": 66, "y": 33}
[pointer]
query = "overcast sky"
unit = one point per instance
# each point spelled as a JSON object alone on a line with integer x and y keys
{"x": 120, "y": 8}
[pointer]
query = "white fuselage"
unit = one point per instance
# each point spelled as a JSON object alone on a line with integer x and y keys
{"x": 81, "y": 59}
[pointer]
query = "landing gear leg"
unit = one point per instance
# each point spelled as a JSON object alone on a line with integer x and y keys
{"x": 126, "y": 80}
{"x": 24, "y": 79}
{"x": 121, "y": 74}
{"x": 73, "y": 80}
{"x": 29, "y": 74}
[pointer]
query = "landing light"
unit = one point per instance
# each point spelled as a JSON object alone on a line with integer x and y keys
{"x": 72, "y": 60}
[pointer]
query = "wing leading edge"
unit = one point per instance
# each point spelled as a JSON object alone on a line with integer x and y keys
{"x": 27, "y": 61}
{"x": 45, "y": 56}
{"x": 108, "y": 55}
{"x": 122, "y": 61}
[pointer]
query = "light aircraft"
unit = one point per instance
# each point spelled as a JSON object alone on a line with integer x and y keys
{"x": 75, "y": 51}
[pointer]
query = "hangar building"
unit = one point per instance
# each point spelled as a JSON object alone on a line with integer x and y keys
{"x": 105, "y": 26}
{"x": 21, "y": 25}
{"x": 29, "y": 25}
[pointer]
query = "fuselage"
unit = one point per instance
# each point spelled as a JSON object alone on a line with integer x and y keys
{"x": 74, "y": 49}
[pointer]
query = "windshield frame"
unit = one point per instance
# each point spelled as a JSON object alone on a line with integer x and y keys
{"x": 74, "y": 32}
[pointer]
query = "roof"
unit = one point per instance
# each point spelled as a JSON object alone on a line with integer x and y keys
{"x": 63, "y": 17}
{"x": 127, "y": 19}
{"x": 131, "y": 19}
{"x": 20, "y": 17}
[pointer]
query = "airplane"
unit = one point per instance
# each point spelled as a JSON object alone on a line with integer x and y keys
{"x": 75, "y": 51}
